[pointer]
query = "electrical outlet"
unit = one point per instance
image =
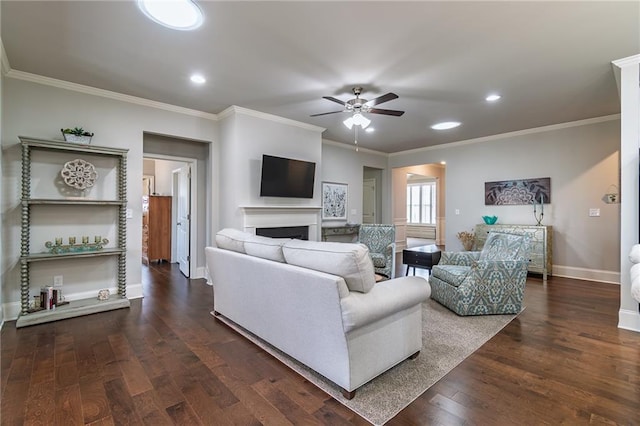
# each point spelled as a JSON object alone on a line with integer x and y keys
{"x": 594, "y": 212}
{"x": 129, "y": 214}
{"x": 57, "y": 280}
{"x": 457, "y": 211}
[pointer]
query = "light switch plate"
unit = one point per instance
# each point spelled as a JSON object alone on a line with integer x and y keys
{"x": 594, "y": 212}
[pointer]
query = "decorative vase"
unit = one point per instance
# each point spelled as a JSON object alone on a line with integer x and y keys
{"x": 467, "y": 245}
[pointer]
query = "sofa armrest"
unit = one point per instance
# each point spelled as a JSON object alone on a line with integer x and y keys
{"x": 460, "y": 258}
{"x": 385, "y": 299}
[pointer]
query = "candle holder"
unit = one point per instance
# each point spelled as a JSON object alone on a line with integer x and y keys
{"x": 539, "y": 217}
{"x": 72, "y": 247}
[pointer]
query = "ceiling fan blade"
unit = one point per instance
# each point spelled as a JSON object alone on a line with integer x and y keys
{"x": 332, "y": 99}
{"x": 386, "y": 111}
{"x": 384, "y": 98}
{"x": 325, "y": 113}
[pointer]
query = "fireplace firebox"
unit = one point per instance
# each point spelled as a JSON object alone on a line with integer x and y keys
{"x": 297, "y": 232}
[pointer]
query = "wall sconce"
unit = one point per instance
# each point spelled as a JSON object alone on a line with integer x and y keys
{"x": 612, "y": 195}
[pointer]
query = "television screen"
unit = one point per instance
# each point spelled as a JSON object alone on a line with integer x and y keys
{"x": 285, "y": 177}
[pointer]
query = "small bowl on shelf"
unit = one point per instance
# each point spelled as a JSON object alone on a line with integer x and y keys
{"x": 490, "y": 220}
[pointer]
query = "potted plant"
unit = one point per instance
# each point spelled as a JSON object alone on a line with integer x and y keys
{"x": 466, "y": 238}
{"x": 77, "y": 135}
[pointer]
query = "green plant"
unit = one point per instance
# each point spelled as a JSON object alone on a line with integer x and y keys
{"x": 78, "y": 131}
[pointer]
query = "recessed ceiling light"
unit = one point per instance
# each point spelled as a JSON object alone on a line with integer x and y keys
{"x": 443, "y": 162}
{"x": 197, "y": 78}
{"x": 492, "y": 98}
{"x": 445, "y": 125}
{"x": 175, "y": 14}
{"x": 369, "y": 130}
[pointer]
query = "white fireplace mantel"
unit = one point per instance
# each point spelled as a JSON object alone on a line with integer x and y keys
{"x": 277, "y": 216}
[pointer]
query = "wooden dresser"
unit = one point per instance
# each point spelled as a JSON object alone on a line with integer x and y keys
{"x": 156, "y": 229}
{"x": 540, "y": 252}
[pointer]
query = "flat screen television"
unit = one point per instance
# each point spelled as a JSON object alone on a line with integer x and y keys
{"x": 286, "y": 177}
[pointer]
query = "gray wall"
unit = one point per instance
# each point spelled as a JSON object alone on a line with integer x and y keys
{"x": 582, "y": 161}
{"x": 341, "y": 163}
{"x": 40, "y": 110}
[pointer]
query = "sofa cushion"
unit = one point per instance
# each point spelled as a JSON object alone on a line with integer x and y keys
{"x": 232, "y": 239}
{"x": 503, "y": 246}
{"x": 265, "y": 247}
{"x": 451, "y": 274}
{"x": 349, "y": 261}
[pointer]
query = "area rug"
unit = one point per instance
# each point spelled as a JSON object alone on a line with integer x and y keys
{"x": 447, "y": 340}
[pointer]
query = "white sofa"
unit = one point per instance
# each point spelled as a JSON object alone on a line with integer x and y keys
{"x": 319, "y": 303}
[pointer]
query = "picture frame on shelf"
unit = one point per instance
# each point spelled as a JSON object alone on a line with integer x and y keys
{"x": 334, "y": 200}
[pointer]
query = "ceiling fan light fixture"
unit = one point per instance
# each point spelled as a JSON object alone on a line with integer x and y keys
{"x": 445, "y": 125}
{"x": 181, "y": 15}
{"x": 492, "y": 97}
{"x": 348, "y": 122}
{"x": 361, "y": 120}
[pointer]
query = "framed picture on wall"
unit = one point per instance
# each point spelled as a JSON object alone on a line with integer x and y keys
{"x": 334, "y": 201}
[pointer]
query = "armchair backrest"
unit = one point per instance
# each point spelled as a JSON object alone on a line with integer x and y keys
{"x": 377, "y": 237}
{"x": 505, "y": 246}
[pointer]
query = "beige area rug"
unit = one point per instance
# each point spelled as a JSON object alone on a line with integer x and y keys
{"x": 447, "y": 340}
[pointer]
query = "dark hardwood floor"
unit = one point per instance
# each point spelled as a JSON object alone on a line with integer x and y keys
{"x": 166, "y": 360}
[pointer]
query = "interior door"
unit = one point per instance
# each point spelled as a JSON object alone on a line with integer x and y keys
{"x": 369, "y": 201}
{"x": 183, "y": 225}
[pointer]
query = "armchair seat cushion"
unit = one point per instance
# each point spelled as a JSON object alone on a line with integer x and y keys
{"x": 379, "y": 260}
{"x": 452, "y": 274}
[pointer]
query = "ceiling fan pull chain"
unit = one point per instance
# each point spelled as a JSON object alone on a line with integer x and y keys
{"x": 356, "y": 138}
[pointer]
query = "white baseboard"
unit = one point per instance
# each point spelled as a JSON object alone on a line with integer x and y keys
{"x": 12, "y": 310}
{"x": 201, "y": 272}
{"x": 611, "y": 277}
{"x": 629, "y": 320}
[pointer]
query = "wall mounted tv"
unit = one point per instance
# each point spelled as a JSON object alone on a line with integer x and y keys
{"x": 285, "y": 177}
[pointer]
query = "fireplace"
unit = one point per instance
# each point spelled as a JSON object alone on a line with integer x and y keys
{"x": 285, "y": 218}
{"x": 298, "y": 232}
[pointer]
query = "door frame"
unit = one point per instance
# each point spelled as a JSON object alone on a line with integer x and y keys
{"x": 193, "y": 189}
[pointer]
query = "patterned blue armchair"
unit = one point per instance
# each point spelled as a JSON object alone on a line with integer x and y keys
{"x": 381, "y": 241}
{"x": 484, "y": 282}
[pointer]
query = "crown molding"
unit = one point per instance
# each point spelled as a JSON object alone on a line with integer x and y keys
{"x": 352, "y": 147}
{"x": 61, "y": 84}
{"x": 234, "y": 109}
{"x": 629, "y": 60}
{"x": 491, "y": 138}
{"x": 6, "y": 67}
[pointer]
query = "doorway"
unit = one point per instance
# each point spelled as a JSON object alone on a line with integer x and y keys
{"x": 371, "y": 194}
{"x": 172, "y": 179}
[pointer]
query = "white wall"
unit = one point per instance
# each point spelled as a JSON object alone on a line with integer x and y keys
{"x": 164, "y": 175}
{"x": 341, "y": 163}
{"x": 40, "y": 110}
{"x": 582, "y": 161}
{"x": 245, "y": 136}
{"x": 629, "y": 317}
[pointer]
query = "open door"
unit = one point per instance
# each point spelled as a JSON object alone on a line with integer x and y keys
{"x": 183, "y": 224}
{"x": 369, "y": 201}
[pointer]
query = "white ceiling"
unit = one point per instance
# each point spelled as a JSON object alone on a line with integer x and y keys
{"x": 551, "y": 61}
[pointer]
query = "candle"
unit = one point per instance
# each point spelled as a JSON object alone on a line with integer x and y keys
{"x": 72, "y": 240}
{"x": 85, "y": 240}
{"x": 59, "y": 241}
{"x": 98, "y": 238}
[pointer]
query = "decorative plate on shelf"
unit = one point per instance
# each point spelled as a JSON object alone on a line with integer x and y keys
{"x": 79, "y": 174}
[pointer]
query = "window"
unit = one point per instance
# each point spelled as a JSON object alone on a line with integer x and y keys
{"x": 421, "y": 203}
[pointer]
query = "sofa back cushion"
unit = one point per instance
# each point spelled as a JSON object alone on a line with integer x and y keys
{"x": 232, "y": 239}
{"x": 265, "y": 247}
{"x": 349, "y": 261}
{"x": 504, "y": 246}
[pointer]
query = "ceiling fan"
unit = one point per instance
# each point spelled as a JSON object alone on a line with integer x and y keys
{"x": 359, "y": 105}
